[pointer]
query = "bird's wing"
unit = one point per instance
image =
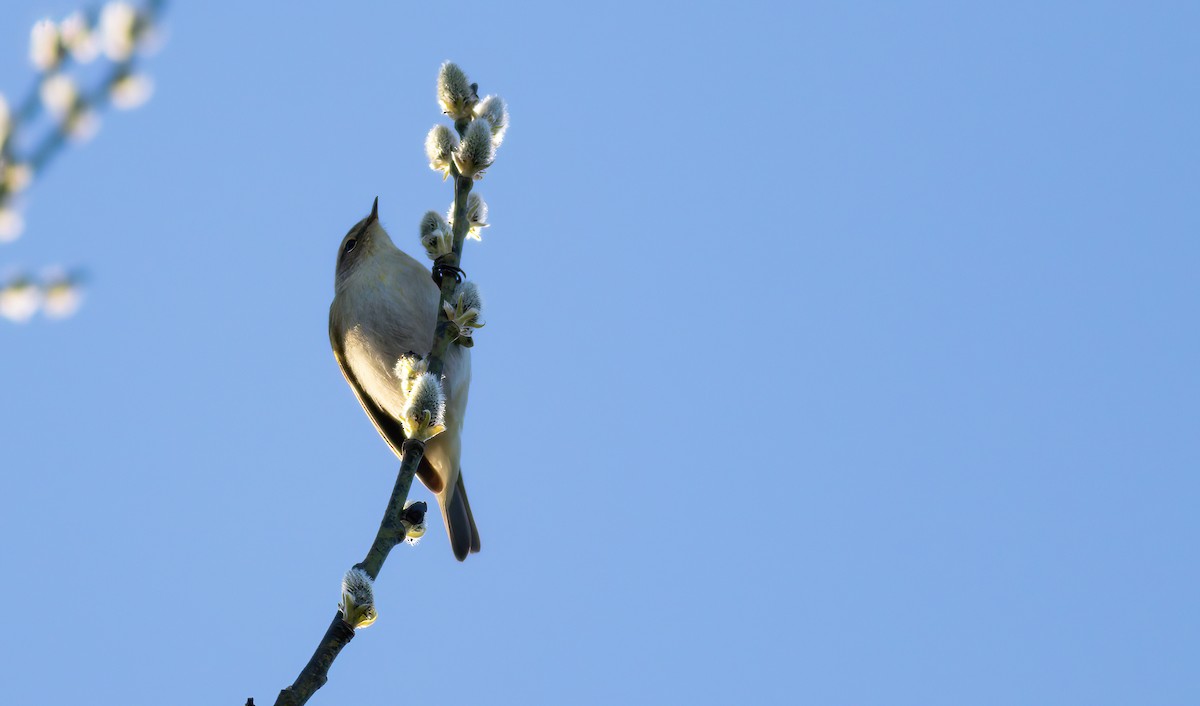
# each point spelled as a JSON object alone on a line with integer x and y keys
{"x": 390, "y": 429}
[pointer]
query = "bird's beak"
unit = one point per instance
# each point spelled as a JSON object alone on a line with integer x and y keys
{"x": 374, "y": 212}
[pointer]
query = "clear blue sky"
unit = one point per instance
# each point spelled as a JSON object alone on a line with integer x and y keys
{"x": 836, "y": 354}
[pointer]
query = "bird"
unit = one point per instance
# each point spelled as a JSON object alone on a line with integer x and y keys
{"x": 385, "y": 306}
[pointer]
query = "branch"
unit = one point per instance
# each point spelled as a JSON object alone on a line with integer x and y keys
{"x": 31, "y": 106}
{"x": 391, "y": 532}
{"x": 396, "y": 518}
{"x": 445, "y": 333}
{"x": 316, "y": 672}
{"x": 72, "y": 109}
{"x": 392, "y": 529}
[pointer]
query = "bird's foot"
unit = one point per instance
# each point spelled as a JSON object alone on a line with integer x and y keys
{"x": 441, "y": 269}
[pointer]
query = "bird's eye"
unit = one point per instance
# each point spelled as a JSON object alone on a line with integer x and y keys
{"x": 350, "y": 244}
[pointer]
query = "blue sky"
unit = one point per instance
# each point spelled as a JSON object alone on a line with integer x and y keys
{"x": 839, "y": 354}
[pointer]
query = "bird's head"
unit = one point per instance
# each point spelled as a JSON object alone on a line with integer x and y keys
{"x": 362, "y": 241}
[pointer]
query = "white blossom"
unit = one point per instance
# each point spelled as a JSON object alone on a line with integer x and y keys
{"x": 59, "y": 94}
{"x": 5, "y": 118}
{"x": 16, "y": 176}
{"x": 83, "y": 125}
{"x": 61, "y": 294}
{"x": 78, "y": 37}
{"x": 118, "y": 21}
{"x": 131, "y": 91}
{"x": 19, "y": 300}
{"x": 11, "y": 224}
{"x": 45, "y": 52}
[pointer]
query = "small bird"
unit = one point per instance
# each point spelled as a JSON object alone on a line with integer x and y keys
{"x": 385, "y": 306}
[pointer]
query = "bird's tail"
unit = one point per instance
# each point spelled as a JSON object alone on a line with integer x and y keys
{"x": 460, "y": 523}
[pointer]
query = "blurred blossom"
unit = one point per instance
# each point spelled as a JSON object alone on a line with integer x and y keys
{"x": 74, "y": 106}
{"x": 131, "y": 91}
{"x": 78, "y": 38}
{"x": 5, "y": 118}
{"x": 44, "y": 49}
{"x": 118, "y": 20}
{"x": 59, "y": 94}
{"x": 62, "y": 295}
{"x": 83, "y": 125}
{"x": 149, "y": 38}
{"x": 17, "y": 177}
{"x": 19, "y": 300}
{"x": 11, "y": 224}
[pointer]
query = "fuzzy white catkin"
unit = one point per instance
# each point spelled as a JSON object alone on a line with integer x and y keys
{"x": 455, "y": 95}
{"x": 358, "y": 599}
{"x": 432, "y": 222}
{"x": 476, "y": 152}
{"x": 426, "y": 396}
{"x": 436, "y": 236}
{"x": 493, "y": 110}
{"x": 477, "y": 214}
{"x": 468, "y": 297}
{"x": 440, "y": 144}
{"x": 407, "y": 369}
{"x": 477, "y": 210}
{"x": 357, "y": 583}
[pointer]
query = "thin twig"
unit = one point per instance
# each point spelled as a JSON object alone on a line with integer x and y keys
{"x": 391, "y": 532}
{"x": 391, "y": 527}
